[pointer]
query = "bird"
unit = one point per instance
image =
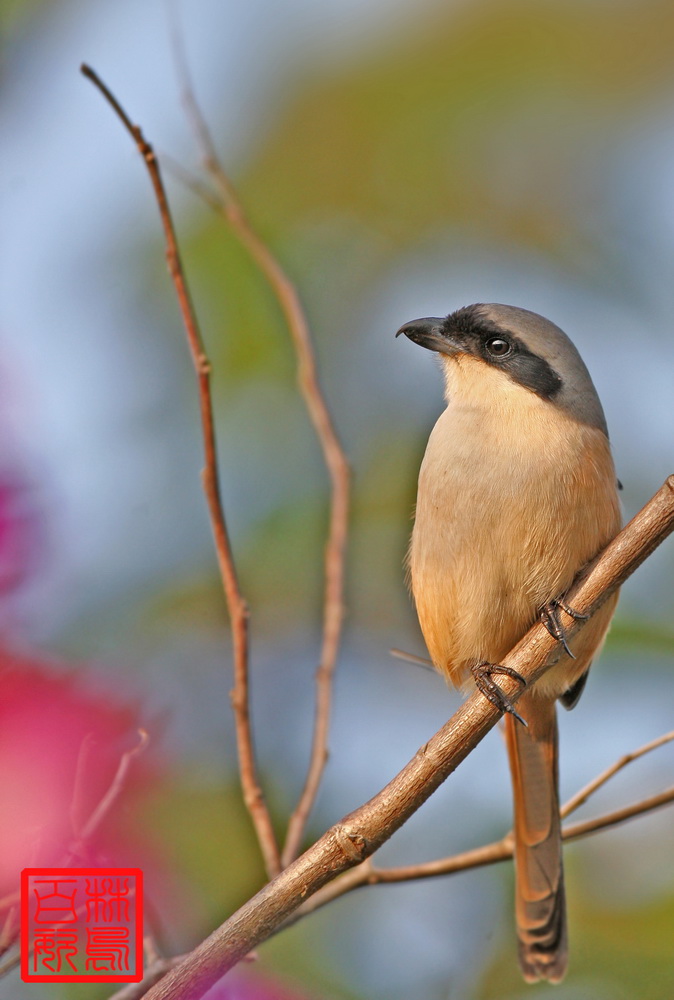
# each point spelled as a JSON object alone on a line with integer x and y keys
{"x": 517, "y": 492}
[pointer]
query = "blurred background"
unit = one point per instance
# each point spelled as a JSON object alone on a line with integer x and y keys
{"x": 402, "y": 158}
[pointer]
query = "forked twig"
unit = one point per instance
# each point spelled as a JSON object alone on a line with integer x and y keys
{"x": 584, "y": 794}
{"x": 238, "y": 610}
{"x": 333, "y": 454}
{"x": 498, "y": 850}
{"x": 89, "y": 828}
{"x": 82, "y": 832}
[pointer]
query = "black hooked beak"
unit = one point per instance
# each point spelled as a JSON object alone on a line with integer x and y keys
{"x": 429, "y": 333}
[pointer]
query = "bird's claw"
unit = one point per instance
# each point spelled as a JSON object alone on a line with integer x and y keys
{"x": 483, "y": 673}
{"x": 551, "y": 620}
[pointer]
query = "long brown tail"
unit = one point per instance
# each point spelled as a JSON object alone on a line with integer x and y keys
{"x": 540, "y": 908}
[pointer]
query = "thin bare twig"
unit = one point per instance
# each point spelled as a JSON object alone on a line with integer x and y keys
{"x": 618, "y": 816}
{"x": 9, "y": 965}
{"x": 488, "y": 854}
{"x": 200, "y": 188}
{"x": 115, "y": 789}
{"x": 418, "y": 661}
{"x": 76, "y": 804}
{"x": 82, "y": 832}
{"x": 358, "y": 835}
{"x": 584, "y": 794}
{"x": 9, "y": 931}
{"x": 151, "y": 952}
{"x": 333, "y": 454}
{"x": 238, "y": 609}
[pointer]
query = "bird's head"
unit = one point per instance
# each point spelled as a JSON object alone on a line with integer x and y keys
{"x": 492, "y": 350}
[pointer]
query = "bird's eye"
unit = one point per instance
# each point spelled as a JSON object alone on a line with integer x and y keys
{"x": 497, "y": 347}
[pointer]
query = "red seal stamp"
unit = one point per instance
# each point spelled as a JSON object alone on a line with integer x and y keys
{"x": 81, "y": 925}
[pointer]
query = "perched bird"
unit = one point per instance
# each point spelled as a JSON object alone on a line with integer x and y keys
{"x": 517, "y": 491}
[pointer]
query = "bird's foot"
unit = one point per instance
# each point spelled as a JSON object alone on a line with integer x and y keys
{"x": 553, "y": 623}
{"x": 483, "y": 673}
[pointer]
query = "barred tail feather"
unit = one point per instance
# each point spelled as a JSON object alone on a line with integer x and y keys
{"x": 540, "y": 907}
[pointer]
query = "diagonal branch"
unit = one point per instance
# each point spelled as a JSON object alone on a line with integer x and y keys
{"x": 335, "y": 460}
{"x": 238, "y": 609}
{"x": 358, "y": 835}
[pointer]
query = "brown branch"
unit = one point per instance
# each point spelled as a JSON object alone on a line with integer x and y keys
{"x": 333, "y": 454}
{"x": 238, "y": 609}
{"x": 359, "y": 834}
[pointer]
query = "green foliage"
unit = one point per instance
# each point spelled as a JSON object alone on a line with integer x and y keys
{"x": 496, "y": 117}
{"x": 206, "y": 845}
{"x": 15, "y": 14}
{"x": 616, "y": 953}
{"x": 245, "y": 330}
{"x": 651, "y": 636}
